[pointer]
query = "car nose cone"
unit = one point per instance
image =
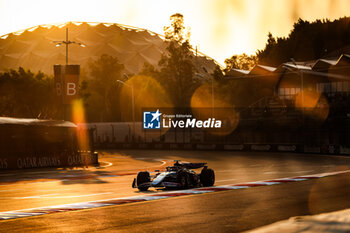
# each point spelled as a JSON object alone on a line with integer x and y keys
{"x": 159, "y": 179}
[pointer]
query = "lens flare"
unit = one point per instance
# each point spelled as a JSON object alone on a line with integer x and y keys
{"x": 209, "y": 102}
{"x": 313, "y": 103}
{"x": 147, "y": 93}
{"x": 78, "y": 114}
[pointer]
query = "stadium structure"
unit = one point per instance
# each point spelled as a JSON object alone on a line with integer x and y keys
{"x": 33, "y": 47}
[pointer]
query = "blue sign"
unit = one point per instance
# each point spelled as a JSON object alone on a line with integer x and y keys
{"x": 151, "y": 120}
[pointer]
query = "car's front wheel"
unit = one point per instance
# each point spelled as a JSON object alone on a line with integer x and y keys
{"x": 143, "y": 177}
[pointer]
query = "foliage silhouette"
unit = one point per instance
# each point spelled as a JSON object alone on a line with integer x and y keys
{"x": 307, "y": 41}
{"x": 26, "y": 94}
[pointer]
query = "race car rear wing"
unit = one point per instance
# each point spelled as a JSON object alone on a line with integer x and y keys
{"x": 193, "y": 165}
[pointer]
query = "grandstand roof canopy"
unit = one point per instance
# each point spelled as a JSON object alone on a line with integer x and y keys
{"x": 33, "y": 48}
{"x": 319, "y": 65}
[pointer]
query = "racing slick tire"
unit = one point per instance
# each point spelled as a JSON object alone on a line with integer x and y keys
{"x": 207, "y": 177}
{"x": 182, "y": 179}
{"x": 142, "y": 177}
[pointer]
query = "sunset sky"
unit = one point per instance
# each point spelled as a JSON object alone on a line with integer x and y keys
{"x": 219, "y": 28}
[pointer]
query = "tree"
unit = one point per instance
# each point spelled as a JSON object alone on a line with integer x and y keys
{"x": 105, "y": 72}
{"x": 27, "y": 94}
{"x": 242, "y": 62}
{"x": 271, "y": 41}
{"x": 149, "y": 70}
{"x": 177, "y": 31}
{"x": 217, "y": 73}
{"x": 176, "y": 67}
{"x": 307, "y": 41}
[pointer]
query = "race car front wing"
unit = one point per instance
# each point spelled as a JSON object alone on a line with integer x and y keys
{"x": 160, "y": 185}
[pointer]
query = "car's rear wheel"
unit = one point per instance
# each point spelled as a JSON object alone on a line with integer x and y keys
{"x": 182, "y": 179}
{"x": 207, "y": 177}
{"x": 142, "y": 177}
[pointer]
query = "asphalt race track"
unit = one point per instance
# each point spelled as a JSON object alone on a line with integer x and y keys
{"x": 224, "y": 211}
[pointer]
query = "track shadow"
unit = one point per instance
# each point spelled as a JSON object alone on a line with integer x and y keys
{"x": 65, "y": 175}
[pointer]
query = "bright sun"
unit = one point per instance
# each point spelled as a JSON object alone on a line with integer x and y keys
{"x": 220, "y": 28}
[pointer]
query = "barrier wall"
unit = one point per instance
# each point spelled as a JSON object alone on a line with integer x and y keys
{"x": 325, "y": 149}
{"x": 34, "y": 143}
{"x": 16, "y": 161}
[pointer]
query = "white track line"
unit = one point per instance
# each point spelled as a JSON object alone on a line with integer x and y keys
{"x": 108, "y": 164}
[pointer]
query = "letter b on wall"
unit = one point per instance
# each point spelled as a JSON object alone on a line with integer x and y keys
{"x": 71, "y": 83}
{"x": 67, "y": 82}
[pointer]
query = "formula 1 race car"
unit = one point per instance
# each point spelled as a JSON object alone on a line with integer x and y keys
{"x": 180, "y": 175}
